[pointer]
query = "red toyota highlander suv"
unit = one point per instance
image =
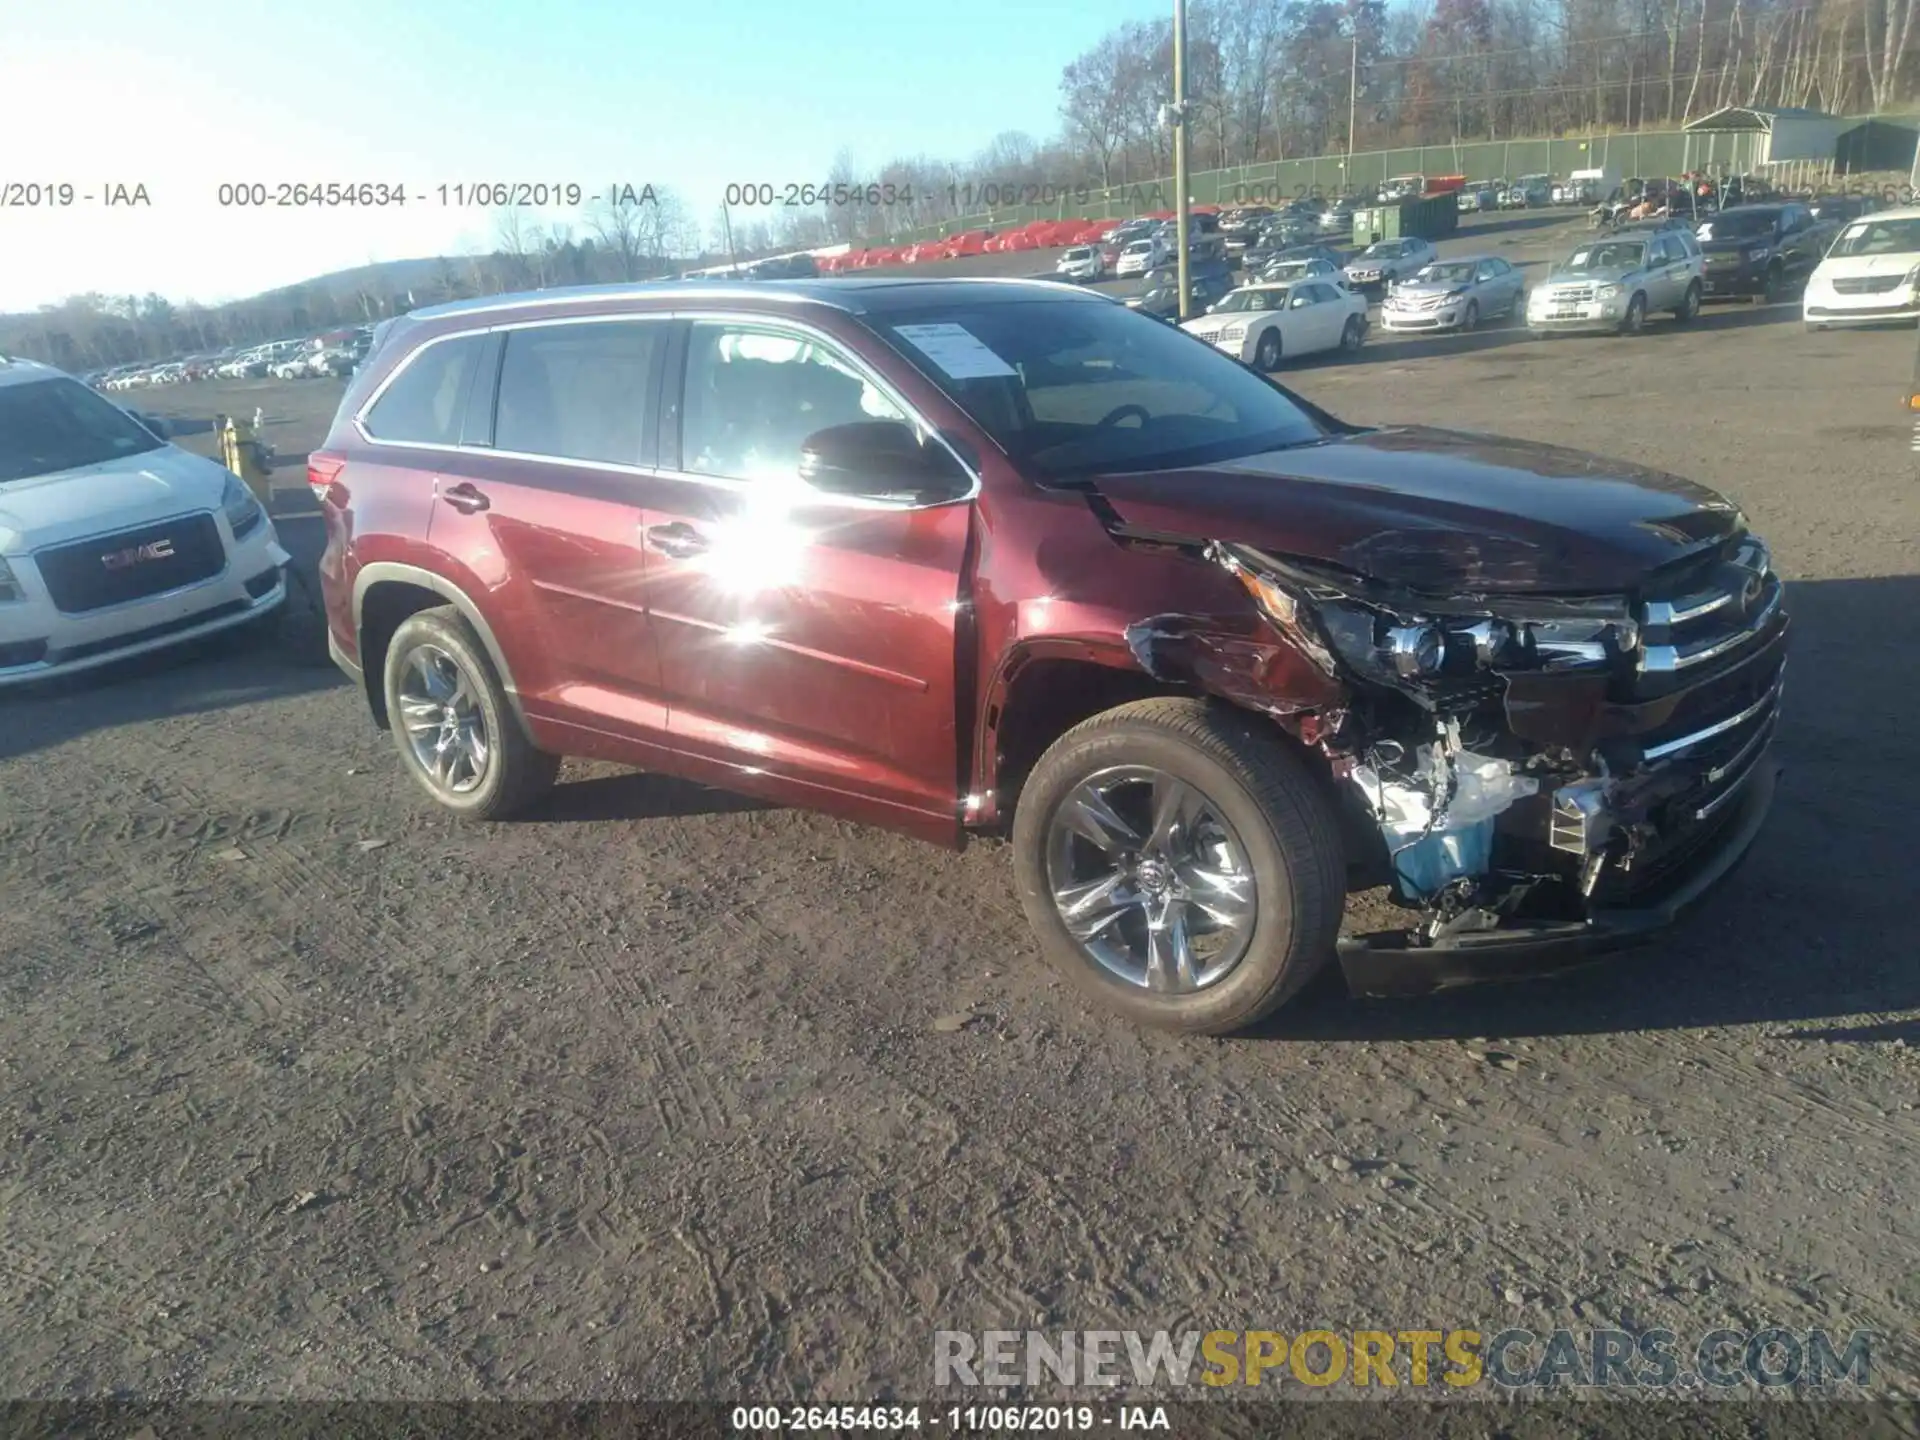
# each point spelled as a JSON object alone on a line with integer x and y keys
{"x": 968, "y": 556}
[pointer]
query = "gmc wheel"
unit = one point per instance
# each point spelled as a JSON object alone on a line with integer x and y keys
{"x": 1180, "y": 864}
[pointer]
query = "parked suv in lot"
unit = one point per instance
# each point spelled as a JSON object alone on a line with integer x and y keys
{"x": 1614, "y": 282}
{"x": 1762, "y": 251}
{"x": 969, "y": 556}
{"x": 114, "y": 542}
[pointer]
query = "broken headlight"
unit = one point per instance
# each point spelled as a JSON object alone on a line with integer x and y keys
{"x": 1393, "y": 637}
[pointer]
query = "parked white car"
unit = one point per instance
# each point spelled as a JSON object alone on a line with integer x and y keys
{"x": 1385, "y": 261}
{"x": 1286, "y": 272}
{"x": 1134, "y": 258}
{"x": 1871, "y": 273}
{"x": 1261, "y": 324}
{"x": 1453, "y": 295}
{"x": 1081, "y": 263}
{"x": 113, "y": 541}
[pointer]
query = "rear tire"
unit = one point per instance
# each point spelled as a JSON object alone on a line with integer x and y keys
{"x": 441, "y": 687}
{"x": 1354, "y": 335}
{"x": 1277, "y": 842}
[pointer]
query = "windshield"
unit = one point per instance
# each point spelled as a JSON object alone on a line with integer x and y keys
{"x": 1879, "y": 237}
{"x": 51, "y": 425}
{"x": 1069, "y": 388}
{"x": 1079, "y": 253}
{"x": 1458, "y": 272}
{"x": 1738, "y": 225}
{"x": 1139, "y": 247}
{"x": 1241, "y": 301}
{"x": 1613, "y": 255}
{"x": 1382, "y": 250}
{"x": 1291, "y": 269}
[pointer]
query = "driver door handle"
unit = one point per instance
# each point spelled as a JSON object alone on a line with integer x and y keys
{"x": 676, "y": 539}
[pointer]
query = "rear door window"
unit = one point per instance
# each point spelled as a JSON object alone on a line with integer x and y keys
{"x": 426, "y": 401}
{"x": 579, "y": 391}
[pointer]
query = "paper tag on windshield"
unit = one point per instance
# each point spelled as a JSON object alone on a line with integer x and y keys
{"x": 1579, "y": 259}
{"x": 1854, "y": 232}
{"x": 955, "y": 349}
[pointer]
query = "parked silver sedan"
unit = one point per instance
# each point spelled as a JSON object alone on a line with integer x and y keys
{"x": 1454, "y": 295}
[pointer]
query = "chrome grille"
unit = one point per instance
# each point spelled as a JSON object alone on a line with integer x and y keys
{"x": 1571, "y": 295}
{"x": 1736, "y": 603}
{"x": 1867, "y": 284}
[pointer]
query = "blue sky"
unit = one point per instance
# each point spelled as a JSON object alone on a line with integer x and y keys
{"x": 692, "y": 95}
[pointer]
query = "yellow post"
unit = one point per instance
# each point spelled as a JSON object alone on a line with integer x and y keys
{"x": 251, "y": 464}
{"x": 223, "y": 442}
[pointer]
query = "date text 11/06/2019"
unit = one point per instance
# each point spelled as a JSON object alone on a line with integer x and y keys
{"x": 957, "y": 1419}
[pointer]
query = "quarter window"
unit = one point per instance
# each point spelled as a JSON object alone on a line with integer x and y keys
{"x": 755, "y": 395}
{"x": 578, "y": 392}
{"x": 424, "y": 404}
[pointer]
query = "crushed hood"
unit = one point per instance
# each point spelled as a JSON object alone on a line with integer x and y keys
{"x": 1439, "y": 511}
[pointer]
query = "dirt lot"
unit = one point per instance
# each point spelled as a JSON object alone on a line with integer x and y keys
{"x": 306, "y": 1090}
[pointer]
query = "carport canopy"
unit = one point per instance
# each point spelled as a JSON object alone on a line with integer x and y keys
{"x": 1785, "y": 133}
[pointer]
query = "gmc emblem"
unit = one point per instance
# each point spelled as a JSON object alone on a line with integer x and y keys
{"x": 137, "y": 554}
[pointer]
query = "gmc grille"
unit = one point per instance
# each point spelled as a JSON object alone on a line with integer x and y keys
{"x": 129, "y": 565}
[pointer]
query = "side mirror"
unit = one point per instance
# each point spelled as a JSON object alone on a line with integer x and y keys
{"x": 159, "y": 428}
{"x": 880, "y": 460}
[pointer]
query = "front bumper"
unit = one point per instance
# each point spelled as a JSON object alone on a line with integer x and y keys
{"x": 1734, "y": 283}
{"x": 1448, "y": 317}
{"x": 1827, "y": 307}
{"x": 1594, "y": 317}
{"x": 1389, "y": 964}
{"x": 40, "y": 642}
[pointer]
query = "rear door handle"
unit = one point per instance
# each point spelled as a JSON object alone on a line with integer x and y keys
{"x": 467, "y": 499}
{"x": 676, "y": 539}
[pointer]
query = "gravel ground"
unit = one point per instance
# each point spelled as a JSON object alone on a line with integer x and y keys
{"x": 308, "y": 1091}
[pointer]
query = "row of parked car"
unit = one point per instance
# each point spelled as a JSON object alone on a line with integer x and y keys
{"x": 1314, "y": 298}
{"x": 337, "y": 354}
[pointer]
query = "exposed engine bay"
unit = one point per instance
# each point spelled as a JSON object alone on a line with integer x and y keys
{"x": 1524, "y": 762}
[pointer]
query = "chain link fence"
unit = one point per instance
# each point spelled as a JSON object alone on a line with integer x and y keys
{"x": 1642, "y": 153}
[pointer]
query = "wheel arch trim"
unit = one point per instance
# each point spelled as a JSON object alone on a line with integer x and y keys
{"x": 379, "y": 571}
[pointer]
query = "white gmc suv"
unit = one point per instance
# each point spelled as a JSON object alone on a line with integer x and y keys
{"x": 113, "y": 541}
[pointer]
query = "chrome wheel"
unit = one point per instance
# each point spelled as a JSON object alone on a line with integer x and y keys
{"x": 446, "y": 729}
{"x": 1150, "y": 879}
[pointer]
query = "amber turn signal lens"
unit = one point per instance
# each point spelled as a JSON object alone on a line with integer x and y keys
{"x": 1913, "y": 400}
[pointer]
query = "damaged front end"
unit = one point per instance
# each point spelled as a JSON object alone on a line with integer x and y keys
{"x": 1538, "y": 777}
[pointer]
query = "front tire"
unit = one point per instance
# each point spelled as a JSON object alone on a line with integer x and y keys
{"x": 1770, "y": 286}
{"x": 1180, "y": 864}
{"x": 456, "y": 730}
{"x": 1689, "y": 305}
{"x": 1266, "y": 354}
{"x": 1471, "y": 320}
{"x": 1636, "y": 317}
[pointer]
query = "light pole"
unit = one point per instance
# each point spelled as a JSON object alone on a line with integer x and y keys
{"x": 1180, "y": 152}
{"x": 1353, "y": 100}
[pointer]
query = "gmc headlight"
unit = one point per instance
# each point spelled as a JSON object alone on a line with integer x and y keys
{"x": 9, "y": 586}
{"x": 243, "y": 512}
{"x": 1758, "y": 253}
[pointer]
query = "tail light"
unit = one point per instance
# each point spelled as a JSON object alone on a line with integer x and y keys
{"x": 322, "y": 469}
